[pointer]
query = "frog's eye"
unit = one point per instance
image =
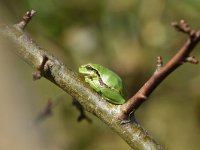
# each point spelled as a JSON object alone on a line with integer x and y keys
{"x": 89, "y": 67}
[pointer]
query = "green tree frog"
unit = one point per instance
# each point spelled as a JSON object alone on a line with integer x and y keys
{"x": 104, "y": 81}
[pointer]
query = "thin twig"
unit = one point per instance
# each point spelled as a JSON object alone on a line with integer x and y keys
{"x": 160, "y": 74}
{"x": 80, "y": 108}
{"x": 46, "y": 112}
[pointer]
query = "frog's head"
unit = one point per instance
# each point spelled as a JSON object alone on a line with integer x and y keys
{"x": 87, "y": 69}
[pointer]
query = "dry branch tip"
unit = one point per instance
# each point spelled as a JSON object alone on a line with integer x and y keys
{"x": 183, "y": 26}
{"x": 25, "y": 19}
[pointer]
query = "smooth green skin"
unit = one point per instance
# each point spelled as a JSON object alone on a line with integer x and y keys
{"x": 104, "y": 81}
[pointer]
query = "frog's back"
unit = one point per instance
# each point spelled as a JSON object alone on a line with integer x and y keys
{"x": 111, "y": 79}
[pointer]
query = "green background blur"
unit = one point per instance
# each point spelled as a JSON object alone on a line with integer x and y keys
{"x": 124, "y": 35}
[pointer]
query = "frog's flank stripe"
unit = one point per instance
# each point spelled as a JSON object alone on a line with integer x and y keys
{"x": 88, "y": 67}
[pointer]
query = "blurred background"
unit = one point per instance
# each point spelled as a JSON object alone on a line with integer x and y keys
{"x": 124, "y": 35}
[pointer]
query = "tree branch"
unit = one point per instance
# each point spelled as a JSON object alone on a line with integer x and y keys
{"x": 163, "y": 71}
{"x": 68, "y": 80}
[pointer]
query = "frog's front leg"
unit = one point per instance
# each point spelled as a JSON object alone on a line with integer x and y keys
{"x": 93, "y": 83}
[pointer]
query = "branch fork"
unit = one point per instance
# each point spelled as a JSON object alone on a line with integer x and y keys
{"x": 183, "y": 55}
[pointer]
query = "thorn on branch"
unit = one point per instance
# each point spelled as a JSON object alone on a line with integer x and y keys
{"x": 37, "y": 74}
{"x": 82, "y": 115}
{"x": 192, "y": 60}
{"x": 25, "y": 19}
{"x": 159, "y": 63}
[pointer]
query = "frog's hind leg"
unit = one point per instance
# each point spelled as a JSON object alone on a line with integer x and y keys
{"x": 113, "y": 96}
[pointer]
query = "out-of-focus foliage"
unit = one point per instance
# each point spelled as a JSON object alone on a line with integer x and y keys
{"x": 124, "y": 35}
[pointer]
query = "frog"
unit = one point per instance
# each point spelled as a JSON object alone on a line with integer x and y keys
{"x": 104, "y": 81}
